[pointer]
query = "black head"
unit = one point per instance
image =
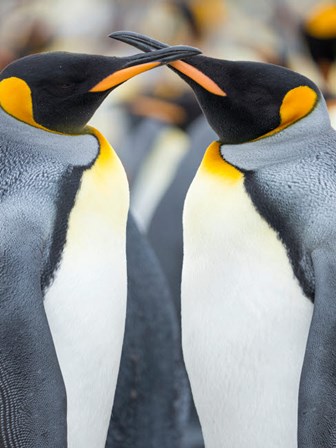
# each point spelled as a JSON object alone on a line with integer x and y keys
{"x": 257, "y": 99}
{"x": 60, "y": 91}
{"x": 242, "y": 101}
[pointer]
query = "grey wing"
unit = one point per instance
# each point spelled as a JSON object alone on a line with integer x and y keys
{"x": 317, "y": 395}
{"x": 32, "y": 392}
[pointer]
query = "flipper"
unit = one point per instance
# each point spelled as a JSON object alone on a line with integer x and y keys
{"x": 32, "y": 393}
{"x": 317, "y": 396}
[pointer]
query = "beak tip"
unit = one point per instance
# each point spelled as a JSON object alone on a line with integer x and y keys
{"x": 115, "y": 34}
{"x": 146, "y": 43}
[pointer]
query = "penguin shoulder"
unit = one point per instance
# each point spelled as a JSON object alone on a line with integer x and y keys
{"x": 20, "y": 140}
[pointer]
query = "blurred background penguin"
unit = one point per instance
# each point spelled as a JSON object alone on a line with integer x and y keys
{"x": 319, "y": 33}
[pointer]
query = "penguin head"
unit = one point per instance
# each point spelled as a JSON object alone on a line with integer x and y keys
{"x": 242, "y": 101}
{"x": 60, "y": 91}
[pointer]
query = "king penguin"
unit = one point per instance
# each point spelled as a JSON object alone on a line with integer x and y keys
{"x": 64, "y": 203}
{"x": 259, "y": 270}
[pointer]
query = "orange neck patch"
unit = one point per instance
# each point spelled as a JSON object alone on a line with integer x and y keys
{"x": 16, "y": 100}
{"x": 214, "y": 164}
{"x": 296, "y": 104}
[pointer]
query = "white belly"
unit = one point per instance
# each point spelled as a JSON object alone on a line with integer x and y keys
{"x": 86, "y": 305}
{"x": 245, "y": 320}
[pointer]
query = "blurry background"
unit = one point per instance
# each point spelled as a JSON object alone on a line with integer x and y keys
{"x": 153, "y": 121}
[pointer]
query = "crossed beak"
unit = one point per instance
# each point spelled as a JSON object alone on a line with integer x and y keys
{"x": 186, "y": 68}
{"x": 139, "y": 63}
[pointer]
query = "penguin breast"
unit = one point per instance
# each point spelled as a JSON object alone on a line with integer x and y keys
{"x": 86, "y": 302}
{"x": 245, "y": 319}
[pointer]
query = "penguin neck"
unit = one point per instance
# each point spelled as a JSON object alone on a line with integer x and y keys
{"x": 77, "y": 150}
{"x": 297, "y": 141}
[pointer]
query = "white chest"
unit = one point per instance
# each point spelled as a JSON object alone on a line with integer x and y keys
{"x": 86, "y": 303}
{"x": 245, "y": 320}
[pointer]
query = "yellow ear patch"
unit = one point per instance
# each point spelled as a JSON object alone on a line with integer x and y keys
{"x": 296, "y": 104}
{"x": 16, "y": 100}
{"x": 214, "y": 164}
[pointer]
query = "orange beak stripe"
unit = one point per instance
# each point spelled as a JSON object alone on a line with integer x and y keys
{"x": 199, "y": 77}
{"x": 122, "y": 75}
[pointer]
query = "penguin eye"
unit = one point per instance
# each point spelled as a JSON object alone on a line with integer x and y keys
{"x": 62, "y": 87}
{"x": 67, "y": 85}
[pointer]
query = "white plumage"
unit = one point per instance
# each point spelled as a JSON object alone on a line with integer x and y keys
{"x": 245, "y": 319}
